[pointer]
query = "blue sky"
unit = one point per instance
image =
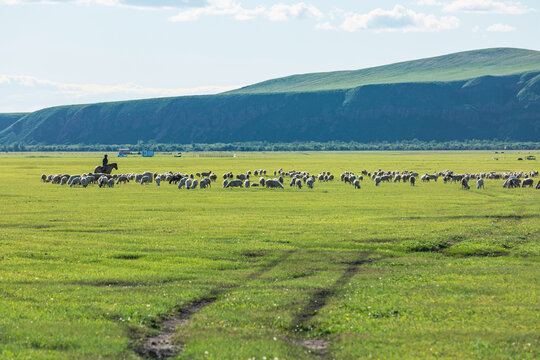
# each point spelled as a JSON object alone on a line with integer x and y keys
{"x": 83, "y": 51}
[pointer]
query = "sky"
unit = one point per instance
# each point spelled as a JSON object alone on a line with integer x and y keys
{"x": 61, "y": 52}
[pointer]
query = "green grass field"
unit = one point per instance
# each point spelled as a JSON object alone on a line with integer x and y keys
{"x": 451, "y": 67}
{"x": 389, "y": 272}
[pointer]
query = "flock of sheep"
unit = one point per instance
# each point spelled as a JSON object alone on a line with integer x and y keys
{"x": 298, "y": 179}
{"x": 512, "y": 179}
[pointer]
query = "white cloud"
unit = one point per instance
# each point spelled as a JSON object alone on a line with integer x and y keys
{"x": 282, "y": 12}
{"x": 480, "y": 6}
{"x": 85, "y": 90}
{"x": 128, "y": 4}
{"x": 398, "y": 19}
{"x": 277, "y": 12}
{"x": 500, "y": 28}
{"x": 429, "y": 3}
{"x": 325, "y": 26}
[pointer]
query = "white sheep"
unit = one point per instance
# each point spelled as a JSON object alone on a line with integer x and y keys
{"x": 182, "y": 182}
{"x": 480, "y": 183}
{"x": 274, "y": 184}
{"x": 235, "y": 183}
{"x": 146, "y": 179}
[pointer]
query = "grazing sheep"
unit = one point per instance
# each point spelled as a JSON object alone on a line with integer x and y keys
{"x": 356, "y": 184}
{"x": 102, "y": 182}
{"x": 274, "y": 183}
{"x": 213, "y": 177}
{"x": 241, "y": 177}
{"x": 64, "y": 180}
{"x": 246, "y": 183}
{"x": 299, "y": 183}
{"x": 71, "y": 178}
{"x": 235, "y": 183}
{"x": 206, "y": 182}
{"x": 188, "y": 183}
{"x": 511, "y": 182}
{"x": 146, "y": 180}
{"x": 280, "y": 179}
{"x": 149, "y": 175}
{"x": 176, "y": 178}
{"x": 527, "y": 182}
{"x": 110, "y": 182}
{"x": 158, "y": 181}
{"x": 309, "y": 182}
{"x": 225, "y": 183}
{"x": 412, "y": 180}
{"x": 84, "y": 181}
{"x": 194, "y": 184}
{"x": 49, "y": 178}
{"x": 262, "y": 181}
{"x": 480, "y": 183}
{"x": 182, "y": 182}
{"x": 206, "y": 173}
{"x": 122, "y": 179}
{"x": 43, "y": 177}
{"x": 377, "y": 180}
{"x": 538, "y": 185}
{"x": 465, "y": 184}
{"x": 75, "y": 181}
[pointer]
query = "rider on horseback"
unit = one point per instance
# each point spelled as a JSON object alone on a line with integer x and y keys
{"x": 105, "y": 162}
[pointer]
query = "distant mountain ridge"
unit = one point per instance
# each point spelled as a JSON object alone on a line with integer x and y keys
{"x": 459, "y": 66}
{"x": 490, "y": 106}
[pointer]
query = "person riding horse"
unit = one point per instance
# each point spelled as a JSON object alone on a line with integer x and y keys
{"x": 105, "y": 161}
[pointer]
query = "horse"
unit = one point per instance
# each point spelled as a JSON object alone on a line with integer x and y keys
{"x": 107, "y": 169}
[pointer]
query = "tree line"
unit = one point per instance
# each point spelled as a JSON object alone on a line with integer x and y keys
{"x": 405, "y": 145}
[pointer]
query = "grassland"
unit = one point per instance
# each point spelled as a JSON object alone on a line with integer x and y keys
{"x": 452, "y": 67}
{"x": 393, "y": 271}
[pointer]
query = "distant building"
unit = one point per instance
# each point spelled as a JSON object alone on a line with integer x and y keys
{"x": 124, "y": 151}
{"x": 148, "y": 153}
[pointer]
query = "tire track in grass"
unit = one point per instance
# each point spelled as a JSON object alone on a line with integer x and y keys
{"x": 318, "y": 300}
{"x": 160, "y": 346}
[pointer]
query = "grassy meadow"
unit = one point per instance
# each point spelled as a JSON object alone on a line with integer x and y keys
{"x": 387, "y": 272}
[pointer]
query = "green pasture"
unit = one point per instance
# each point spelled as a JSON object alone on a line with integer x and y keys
{"x": 387, "y": 272}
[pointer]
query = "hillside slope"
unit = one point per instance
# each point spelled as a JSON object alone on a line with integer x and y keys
{"x": 8, "y": 119}
{"x": 481, "y": 108}
{"x": 458, "y": 66}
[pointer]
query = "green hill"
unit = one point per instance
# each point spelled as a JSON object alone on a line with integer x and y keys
{"x": 8, "y": 119}
{"x": 487, "y": 107}
{"x": 458, "y": 66}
